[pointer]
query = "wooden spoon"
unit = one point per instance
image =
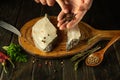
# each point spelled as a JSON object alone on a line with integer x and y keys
{"x": 97, "y": 57}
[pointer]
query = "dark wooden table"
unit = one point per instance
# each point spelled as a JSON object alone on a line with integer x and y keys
{"x": 102, "y": 15}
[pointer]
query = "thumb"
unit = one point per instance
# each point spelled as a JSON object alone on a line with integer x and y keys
{"x": 63, "y": 6}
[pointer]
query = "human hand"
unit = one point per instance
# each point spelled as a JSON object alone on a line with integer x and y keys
{"x": 76, "y": 7}
{"x": 46, "y": 2}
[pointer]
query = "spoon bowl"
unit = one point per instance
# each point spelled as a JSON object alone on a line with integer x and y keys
{"x": 94, "y": 59}
{"x": 97, "y": 57}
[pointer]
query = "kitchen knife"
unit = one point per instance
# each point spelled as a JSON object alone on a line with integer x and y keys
{"x": 9, "y": 27}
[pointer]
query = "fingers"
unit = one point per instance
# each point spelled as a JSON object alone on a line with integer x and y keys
{"x": 63, "y": 5}
{"x": 67, "y": 25}
{"x": 46, "y": 2}
{"x": 60, "y": 16}
{"x": 88, "y": 3}
{"x": 62, "y": 25}
{"x": 61, "y": 21}
{"x": 37, "y": 1}
{"x": 77, "y": 19}
{"x": 50, "y": 2}
{"x": 43, "y": 2}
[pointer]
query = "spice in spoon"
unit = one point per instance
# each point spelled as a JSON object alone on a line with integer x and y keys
{"x": 93, "y": 60}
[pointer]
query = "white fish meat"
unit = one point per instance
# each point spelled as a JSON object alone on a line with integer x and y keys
{"x": 73, "y": 37}
{"x": 44, "y": 34}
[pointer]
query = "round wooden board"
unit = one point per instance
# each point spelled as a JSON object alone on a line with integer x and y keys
{"x": 27, "y": 43}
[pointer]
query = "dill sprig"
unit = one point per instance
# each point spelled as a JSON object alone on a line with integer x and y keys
{"x": 81, "y": 56}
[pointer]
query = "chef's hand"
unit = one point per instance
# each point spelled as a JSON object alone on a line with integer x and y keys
{"x": 77, "y": 7}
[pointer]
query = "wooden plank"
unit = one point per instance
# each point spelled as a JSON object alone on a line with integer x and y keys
{"x": 68, "y": 70}
{"x": 23, "y": 71}
{"x": 117, "y": 51}
{"x": 45, "y": 69}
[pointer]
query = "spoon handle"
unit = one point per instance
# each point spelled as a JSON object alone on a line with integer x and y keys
{"x": 113, "y": 40}
{"x": 108, "y": 34}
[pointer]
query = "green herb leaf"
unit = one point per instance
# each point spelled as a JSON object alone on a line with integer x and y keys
{"x": 15, "y": 53}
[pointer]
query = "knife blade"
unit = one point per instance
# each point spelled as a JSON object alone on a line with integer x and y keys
{"x": 10, "y": 27}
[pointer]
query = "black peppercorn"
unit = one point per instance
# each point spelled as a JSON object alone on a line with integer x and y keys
{"x": 69, "y": 16}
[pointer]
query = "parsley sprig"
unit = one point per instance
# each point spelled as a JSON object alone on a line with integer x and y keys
{"x": 15, "y": 53}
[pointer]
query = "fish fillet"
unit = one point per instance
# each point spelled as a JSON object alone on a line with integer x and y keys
{"x": 73, "y": 37}
{"x": 44, "y": 34}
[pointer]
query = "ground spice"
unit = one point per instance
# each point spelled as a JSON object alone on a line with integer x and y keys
{"x": 93, "y": 60}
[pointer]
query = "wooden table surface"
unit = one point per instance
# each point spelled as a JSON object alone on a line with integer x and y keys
{"x": 101, "y": 16}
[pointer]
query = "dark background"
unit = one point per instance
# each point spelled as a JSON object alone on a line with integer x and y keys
{"x": 104, "y": 14}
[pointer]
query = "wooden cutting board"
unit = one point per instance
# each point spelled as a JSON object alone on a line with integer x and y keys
{"x": 27, "y": 43}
